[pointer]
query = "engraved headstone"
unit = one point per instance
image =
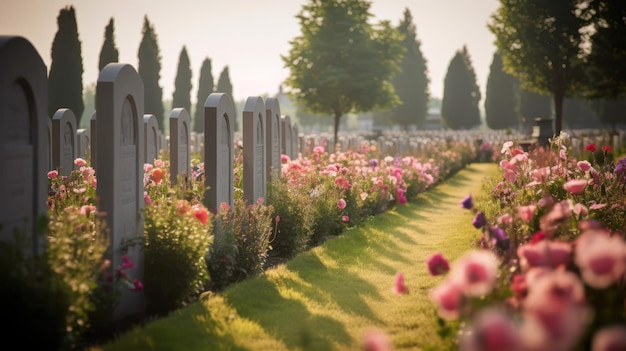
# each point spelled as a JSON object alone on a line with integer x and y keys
{"x": 83, "y": 143}
{"x": 219, "y": 117}
{"x": 272, "y": 138}
{"x": 254, "y": 169}
{"x": 285, "y": 135}
{"x": 23, "y": 155}
{"x": 64, "y": 150}
{"x": 152, "y": 138}
{"x": 120, "y": 156}
{"x": 180, "y": 128}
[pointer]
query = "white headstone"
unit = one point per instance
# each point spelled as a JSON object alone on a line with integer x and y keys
{"x": 219, "y": 117}
{"x": 254, "y": 169}
{"x": 64, "y": 150}
{"x": 180, "y": 129}
{"x": 285, "y": 136}
{"x": 120, "y": 103}
{"x": 24, "y": 153}
{"x": 83, "y": 143}
{"x": 152, "y": 138}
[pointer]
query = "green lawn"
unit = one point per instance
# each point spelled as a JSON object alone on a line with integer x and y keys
{"x": 326, "y": 298}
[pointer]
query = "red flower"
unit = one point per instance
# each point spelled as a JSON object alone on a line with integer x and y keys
{"x": 157, "y": 175}
{"x": 537, "y": 237}
{"x": 591, "y": 147}
{"x": 607, "y": 149}
{"x": 201, "y": 214}
{"x": 398, "y": 285}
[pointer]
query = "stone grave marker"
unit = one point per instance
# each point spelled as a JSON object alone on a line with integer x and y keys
{"x": 151, "y": 138}
{"x": 64, "y": 150}
{"x": 285, "y": 136}
{"x": 180, "y": 127}
{"x": 93, "y": 133}
{"x": 254, "y": 170}
{"x": 24, "y": 151}
{"x": 120, "y": 156}
{"x": 272, "y": 138}
{"x": 219, "y": 117}
{"x": 83, "y": 144}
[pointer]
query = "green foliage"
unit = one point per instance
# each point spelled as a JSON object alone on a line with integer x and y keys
{"x": 531, "y": 105}
{"x": 341, "y": 63}
{"x": 36, "y": 298}
{"x": 411, "y": 82}
{"x": 225, "y": 86}
{"x": 182, "y": 88}
{"x": 149, "y": 70}
{"x": 108, "y": 52}
{"x": 461, "y": 95}
{"x": 242, "y": 236}
{"x": 205, "y": 88}
{"x": 177, "y": 236}
{"x": 65, "y": 80}
{"x": 501, "y": 95}
{"x": 293, "y": 206}
{"x": 541, "y": 43}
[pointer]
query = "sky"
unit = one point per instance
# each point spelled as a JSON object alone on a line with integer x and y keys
{"x": 248, "y": 36}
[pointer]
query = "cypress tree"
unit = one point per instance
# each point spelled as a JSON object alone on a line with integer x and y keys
{"x": 65, "y": 81}
{"x": 109, "y": 52}
{"x": 182, "y": 84}
{"x": 411, "y": 83}
{"x": 205, "y": 88}
{"x": 459, "y": 105}
{"x": 150, "y": 72}
{"x": 500, "y": 97}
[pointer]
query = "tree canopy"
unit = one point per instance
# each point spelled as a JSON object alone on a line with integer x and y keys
{"x": 411, "y": 83}
{"x": 65, "y": 80}
{"x": 461, "y": 95}
{"x": 542, "y": 44}
{"x": 205, "y": 88}
{"x": 182, "y": 84}
{"x": 500, "y": 97}
{"x": 150, "y": 72}
{"x": 341, "y": 63}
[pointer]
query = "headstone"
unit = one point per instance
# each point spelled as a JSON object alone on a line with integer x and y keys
{"x": 64, "y": 150}
{"x": 93, "y": 131}
{"x": 254, "y": 170}
{"x": 83, "y": 144}
{"x": 180, "y": 128}
{"x": 294, "y": 142}
{"x": 219, "y": 117}
{"x": 151, "y": 138}
{"x": 24, "y": 153}
{"x": 120, "y": 156}
{"x": 543, "y": 131}
{"x": 285, "y": 136}
{"x": 272, "y": 138}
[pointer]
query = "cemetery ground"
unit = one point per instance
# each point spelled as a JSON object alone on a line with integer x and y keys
{"x": 328, "y": 297}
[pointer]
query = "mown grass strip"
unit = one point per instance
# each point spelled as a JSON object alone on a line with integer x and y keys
{"x": 326, "y": 298}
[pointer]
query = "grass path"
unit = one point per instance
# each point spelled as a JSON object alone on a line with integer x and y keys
{"x": 326, "y": 298}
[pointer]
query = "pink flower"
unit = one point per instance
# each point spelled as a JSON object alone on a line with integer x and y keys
{"x": 87, "y": 209}
{"x": 137, "y": 285}
{"x": 318, "y": 150}
{"x": 80, "y": 162}
{"x": 575, "y": 186}
{"x": 526, "y": 213}
{"x": 277, "y": 219}
{"x": 146, "y": 198}
{"x": 127, "y": 263}
{"x": 284, "y": 158}
{"x": 491, "y": 330}
{"x": 610, "y": 338}
{"x": 53, "y": 174}
{"x": 475, "y": 273}
{"x": 341, "y": 204}
{"x": 583, "y": 165}
{"x": 544, "y": 253}
{"x": 159, "y": 163}
{"x": 448, "y": 296}
{"x": 345, "y": 219}
{"x": 437, "y": 264}
{"x": 601, "y": 258}
{"x": 398, "y": 285}
{"x": 376, "y": 340}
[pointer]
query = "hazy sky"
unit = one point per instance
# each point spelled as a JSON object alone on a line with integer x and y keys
{"x": 248, "y": 36}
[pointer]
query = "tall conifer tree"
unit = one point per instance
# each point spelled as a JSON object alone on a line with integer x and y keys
{"x": 225, "y": 86}
{"x": 459, "y": 105}
{"x": 109, "y": 52}
{"x": 65, "y": 81}
{"x": 150, "y": 72}
{"x": 500, "y": 97}
{"x": 182, "y": 84}
{"x": 205, "y": 88}
{"x": 411, "y": 83}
